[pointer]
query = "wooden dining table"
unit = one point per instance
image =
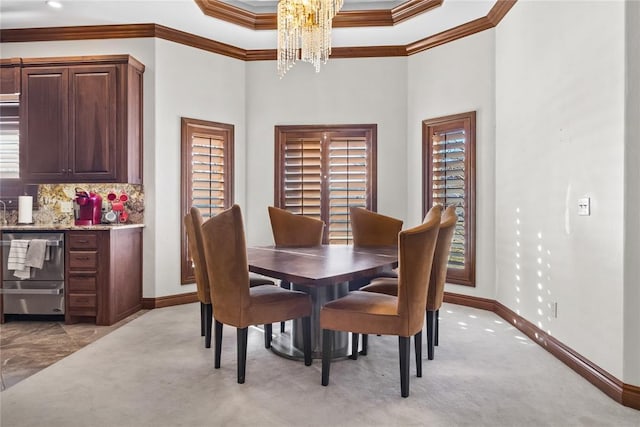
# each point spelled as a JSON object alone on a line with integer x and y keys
{"x": 324, "y": 273}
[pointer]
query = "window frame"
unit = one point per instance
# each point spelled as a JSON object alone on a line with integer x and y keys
{"x": 466, "y": 121}
{"x": 190, "y": 127}
{"x": 370, "y": 133}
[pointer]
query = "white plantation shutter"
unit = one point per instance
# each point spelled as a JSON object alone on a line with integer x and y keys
{"x": 303, "y": 176}
{"x": 321, "y": 172}
{"x": 9, "y": 141}
{"x": 449, "y": 150}
{"x": 448, "y": 153}
{"x": 348, "y": 183}
{"x": 207, "y": 176}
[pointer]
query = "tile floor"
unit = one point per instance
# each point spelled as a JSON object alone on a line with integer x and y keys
{"x": 27, "y": 346}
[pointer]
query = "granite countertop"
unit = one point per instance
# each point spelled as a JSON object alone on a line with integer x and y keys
{"x": 64, "y": 227}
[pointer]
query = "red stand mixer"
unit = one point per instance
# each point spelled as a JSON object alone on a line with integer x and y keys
{"x": 87, "y": 207}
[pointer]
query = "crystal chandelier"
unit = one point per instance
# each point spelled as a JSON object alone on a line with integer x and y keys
{"x": 304, "y": 31}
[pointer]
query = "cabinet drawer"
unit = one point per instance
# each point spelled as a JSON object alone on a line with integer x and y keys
{"x": 83, "y": 241}
{"x": 82, "y": 301}
{"x": 81, "y": 283}
{"x": 83, "y": 260}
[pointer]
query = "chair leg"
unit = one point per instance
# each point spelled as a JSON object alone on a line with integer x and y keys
{"x": 435, "y": 338}
{"x": 365, "y": 344}
{"x": 202, "y": 318}
{"x": 285, "y": 285}
{"x": 327, "y": 341}
{"x": 267, "y": 335}
{"x": 306, "y": 340}
{"x": 430, "y": 333}
{"x": 404, "y": 347}
{"x": 218, "y": 351}
{"x": 208, "y": 317}
{"x": 354, "y": 346}
{"x": 242, "y": 353}
{"x": 417, "y": 339}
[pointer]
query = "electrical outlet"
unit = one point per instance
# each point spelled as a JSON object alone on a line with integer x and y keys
{"x": 554, "y": 309}
{"x": 66, "y": 207}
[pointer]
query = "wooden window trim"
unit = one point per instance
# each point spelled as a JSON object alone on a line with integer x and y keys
{"x": 466, "y": 276}
{"x": 283, "y": 131}
{"x": 189, "y": 128}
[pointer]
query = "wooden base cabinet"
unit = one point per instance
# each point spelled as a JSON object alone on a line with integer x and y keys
{"x": 104, "y": 275}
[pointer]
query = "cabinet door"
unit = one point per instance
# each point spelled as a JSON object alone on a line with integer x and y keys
{"x": 44, "y": 124}
{"x": 93, "y": 123}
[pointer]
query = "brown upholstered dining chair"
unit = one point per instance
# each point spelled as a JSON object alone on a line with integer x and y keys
{"x": 193, "y": 225}
{"x": 373, "y": 313}
{"x": 371, "y": 229}
{"x": 291, "y": 230}
{"x": 234, "y": 302}
{"x": 437, "y": 279}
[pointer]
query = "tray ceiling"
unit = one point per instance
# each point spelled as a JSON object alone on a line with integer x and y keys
{"x": 186, "y": 15}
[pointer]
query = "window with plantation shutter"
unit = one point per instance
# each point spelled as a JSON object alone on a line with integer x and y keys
{"x": 9, "y": 140}
{"x": 449, "y": 179}
{"x": 321, "y": 171}
{"x": 207, "y": 176}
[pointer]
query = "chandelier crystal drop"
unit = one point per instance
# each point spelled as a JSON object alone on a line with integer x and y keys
{"x": 304, "y": 32}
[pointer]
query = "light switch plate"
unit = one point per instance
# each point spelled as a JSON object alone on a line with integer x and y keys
{"x": 584, "y": 206}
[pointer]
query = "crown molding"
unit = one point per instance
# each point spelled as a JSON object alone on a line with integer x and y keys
{"x": 350, "y": 18}
{"x": 203, "y": 43}
{"x": 90, "y": 32}
{"x": 495, "y": 15}
{"x": 493, "y": 18}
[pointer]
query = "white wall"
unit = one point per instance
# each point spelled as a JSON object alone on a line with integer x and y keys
{"x": 456, "y": 78}
{"x": 632, "y": 198}
{"x": 560, "y": 136}
{"x": 346, "y": 91}
{"x": 200, "y": 85}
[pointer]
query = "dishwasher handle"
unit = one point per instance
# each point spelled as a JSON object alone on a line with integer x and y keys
{"x": 31, "y": 291}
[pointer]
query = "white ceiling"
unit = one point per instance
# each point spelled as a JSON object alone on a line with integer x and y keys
{"x": 186, "y": 16}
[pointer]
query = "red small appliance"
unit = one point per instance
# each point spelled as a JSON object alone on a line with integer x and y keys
{"x": 88, "y": 207}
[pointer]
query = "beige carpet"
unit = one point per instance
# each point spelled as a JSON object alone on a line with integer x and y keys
{"x": 155, "y": 371}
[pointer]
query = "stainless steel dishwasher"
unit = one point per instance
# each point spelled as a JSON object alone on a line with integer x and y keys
{"x": 43, "y": 291}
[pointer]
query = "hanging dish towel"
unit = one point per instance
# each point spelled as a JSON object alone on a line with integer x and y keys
{"x": 36, "y": 253}
{"x": 17, "y": 257}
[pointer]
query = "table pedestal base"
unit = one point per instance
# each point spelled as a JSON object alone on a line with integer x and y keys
{"x": 290, "y": 343}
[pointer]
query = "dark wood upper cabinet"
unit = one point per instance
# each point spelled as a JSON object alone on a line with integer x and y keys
{"x": 81, "y": 120}
{"x": 44, "y": 129}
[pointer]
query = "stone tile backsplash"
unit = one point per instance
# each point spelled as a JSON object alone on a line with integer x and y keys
{"x": 51, "y": 199}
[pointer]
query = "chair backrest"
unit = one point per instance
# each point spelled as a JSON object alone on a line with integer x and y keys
{"x": 193, "y": 224}
{"x": 226, "y": 257}
{"x": 373, "y": 229}
{"x": 295, "y": 230}
{"x": 415, "y": 256}
{"x": 441, "y": 259}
